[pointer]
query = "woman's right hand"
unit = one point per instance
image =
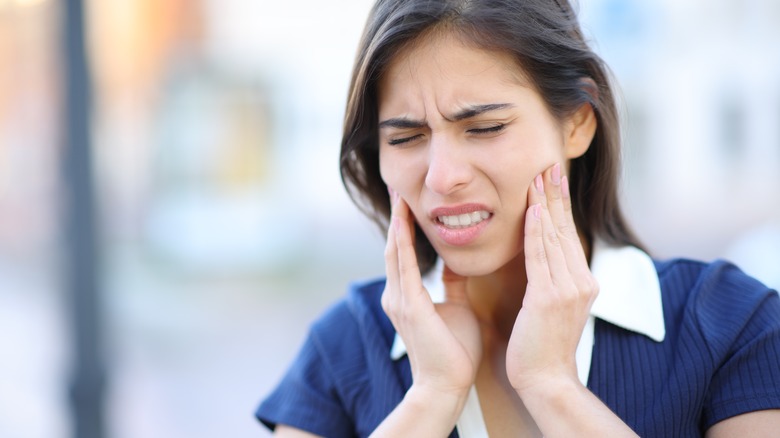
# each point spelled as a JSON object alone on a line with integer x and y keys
{"x": 443, "y": 340}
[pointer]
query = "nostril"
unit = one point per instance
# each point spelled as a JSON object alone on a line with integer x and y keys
{"x": 445, "y": 178}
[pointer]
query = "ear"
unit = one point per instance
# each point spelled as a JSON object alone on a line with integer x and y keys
{"x": 579, "y": 131}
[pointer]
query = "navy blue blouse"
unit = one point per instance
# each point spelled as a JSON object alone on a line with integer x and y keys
{"x": 720, "y": 358}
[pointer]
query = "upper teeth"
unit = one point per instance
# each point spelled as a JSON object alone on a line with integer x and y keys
{"x": 464, "y": 220}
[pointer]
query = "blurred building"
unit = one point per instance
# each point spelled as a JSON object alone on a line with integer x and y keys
{"x": 29, "y": 126}
{"x": 701, "y": 85}
{"x": 31, "y": 372}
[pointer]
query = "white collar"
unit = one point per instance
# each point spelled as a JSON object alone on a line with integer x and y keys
{"x": 629, "y": 290}
{"x": 629, "y": 296}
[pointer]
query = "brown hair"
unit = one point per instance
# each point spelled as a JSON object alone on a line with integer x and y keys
{"x": 545, "y": 39}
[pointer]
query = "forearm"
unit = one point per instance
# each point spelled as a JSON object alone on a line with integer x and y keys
{"x": 423, "y": 413}
{"x": 569, "y": 409}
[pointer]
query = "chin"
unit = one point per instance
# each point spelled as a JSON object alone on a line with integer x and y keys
{"x": 472, "y": 266}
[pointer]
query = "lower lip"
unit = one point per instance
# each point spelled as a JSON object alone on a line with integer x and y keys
{"x": 461, "y": 236}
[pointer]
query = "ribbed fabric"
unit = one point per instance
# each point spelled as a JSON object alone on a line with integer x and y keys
{"x": 720, "y": 358}
{"x": 343, "y": 383}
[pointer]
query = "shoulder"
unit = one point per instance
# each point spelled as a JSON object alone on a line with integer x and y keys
{"x": 350, "y": 317}
{"x": 715, "y": 273}
{"x": 717, "y": 301}
{"x": 354, "y": 336}
{"x": 338, "y": 383}
{"x": 712, "y": 290}
{"x": 718, "y": 358}
{"x": 733, "y": 320}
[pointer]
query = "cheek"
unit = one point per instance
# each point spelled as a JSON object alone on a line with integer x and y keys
{"x": 514, "y": 172}
{"x": 383, "y": 169}
{"x": 386, "y": 167}
{"x": 524, "y": 157}
{"x": 400, "y": 169}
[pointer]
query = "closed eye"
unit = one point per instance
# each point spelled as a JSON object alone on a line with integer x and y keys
{"x": 488, "y": 130}
{"x": 400, "y": 141}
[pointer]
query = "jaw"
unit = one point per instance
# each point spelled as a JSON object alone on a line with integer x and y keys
{"x": 479, "y": 260}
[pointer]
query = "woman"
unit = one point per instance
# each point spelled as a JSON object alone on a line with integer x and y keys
{"x": 517, "y": 301}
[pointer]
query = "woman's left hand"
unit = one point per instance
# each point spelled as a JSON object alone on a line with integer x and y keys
{"x": 560, "y": 291}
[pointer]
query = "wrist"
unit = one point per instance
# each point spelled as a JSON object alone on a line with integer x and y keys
{"x": 551, "y": 393}
{"x": 563, "y": 406}
{"x": 424, "y": 411}
{"x": 443, "y": 404}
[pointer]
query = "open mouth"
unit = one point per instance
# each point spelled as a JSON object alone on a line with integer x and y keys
{"x": 463, "y": 220}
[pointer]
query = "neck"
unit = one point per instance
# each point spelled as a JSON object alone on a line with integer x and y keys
{"x": 498, "y": 296}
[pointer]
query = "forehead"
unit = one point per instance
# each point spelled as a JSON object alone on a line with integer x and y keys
{"x": 447, "y": 57}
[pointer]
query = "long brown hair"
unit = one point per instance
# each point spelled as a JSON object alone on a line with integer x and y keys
{"x": 544, "y": 37}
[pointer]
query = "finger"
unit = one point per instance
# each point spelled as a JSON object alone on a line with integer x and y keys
{"x": 556, "y": 261}
{"x": 568, "y": 214}
{"x": 580, "y": 266}
{"x": 536, "y": 264}
{"x": 412, "y": 291}
{"x": 560, "y": 208}
{"x": 554, "y": 195}
{"x": 536, "y": 192}
{"x": 559, "y": 204}
{"x": 391, "y": 298}
{"x": 391, "y": 295}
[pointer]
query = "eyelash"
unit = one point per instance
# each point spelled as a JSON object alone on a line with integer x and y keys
{"x": 477, "y": 131}
{"x": 490, "y": 130}
{"x": 399, "y": 141}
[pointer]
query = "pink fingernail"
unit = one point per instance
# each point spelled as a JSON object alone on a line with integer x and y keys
{"x": 556, "y": 174}
{"x": 565, "y": 186}
{"x": 537, "y": 210}
{"x": 539, "y": 183}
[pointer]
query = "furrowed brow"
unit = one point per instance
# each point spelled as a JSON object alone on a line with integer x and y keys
{"x": 401, "y": 123}
{"x": 467, "y": 113}
{"x": 476, "y": 110}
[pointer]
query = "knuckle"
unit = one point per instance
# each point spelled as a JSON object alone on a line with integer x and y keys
{"x": 540, "y": 255}
{"x": 386, "y": 302}
{"x": 594, "y": 290}
{"x": 589, "y": 285}
{"x": 552, "y": 239}
{"x": 567, "y": 230}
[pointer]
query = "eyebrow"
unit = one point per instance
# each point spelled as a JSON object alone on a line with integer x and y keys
{"x": 466, "y": 113}
{"x": 476, "y": 110}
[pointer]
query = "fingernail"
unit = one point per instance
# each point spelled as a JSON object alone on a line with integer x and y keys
{"x": 556, "y": 174}
{"x": 539, "y": 183}
{"x": 537, "y": 211}
{"x": 565, "y": 186}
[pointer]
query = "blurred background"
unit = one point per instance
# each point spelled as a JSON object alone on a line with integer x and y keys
{"x": 221, "y": 225}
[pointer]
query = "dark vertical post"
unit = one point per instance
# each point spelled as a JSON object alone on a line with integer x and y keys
{"x": 80, "y": 234}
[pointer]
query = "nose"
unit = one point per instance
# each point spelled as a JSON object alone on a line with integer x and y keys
{"x": 448, "y": 167}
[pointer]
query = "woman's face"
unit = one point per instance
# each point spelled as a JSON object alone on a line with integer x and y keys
{"x": 462, "y": 136}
